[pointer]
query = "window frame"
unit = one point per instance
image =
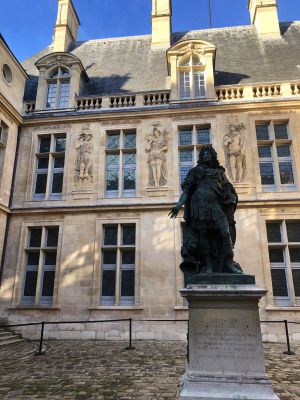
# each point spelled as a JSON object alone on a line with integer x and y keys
{"x": 59, "y": 81}
{"x": 191, "y": 70}
{"x": 275, "y": 160}
{"x": 52, "y": 154}
{"x": 39, "y": 300}
{"x": 287, "y": 265}
{"x": 121, "y": 150}
{"x": 194, "y": 146}
{"x": 119, "y": 248}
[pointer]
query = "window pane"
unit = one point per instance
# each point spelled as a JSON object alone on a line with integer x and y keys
{"x": 184, "y": 85}
{"x": 33, "y": 258}
{"x": 48, "y": 283}
{"x": 267, "y": 173}
{"x": 295, "y": 254}
{"x": 296, "y": 280}
{"x": 186, "y": 136}
{"x": 43, "y": 163}
{"x": 45, "y": 144}
{"x": 129, "y": 179}
{"x": 129, "y": 158}
{"x": 286, "y": 173}
{"x": 35, "y": 237}
{"x": 112, "y": 180}
{"x": 128, "y": 257}
{"x": 127, "y": 283}
{"x": 64, "y": 95}
{"x": 109, "y": 283}
{"x": 41, "y": 183}
{"x": 183, "y": 172}
{"x": 276, "y": 255}
{"x": 128, "y": 234}
{"x": 50, "y": 258}
{"x": 113, "y": 140}
{"x": 273, "y": 232}
{"x": 130, "y": 140}
{"x": 109, "y": 257}
{"x": 59, "y": 162}
{"x": 264, "y": 152}
{"x": 112, "y": 160}
{"x": 281, "y": 131}
{"x": 283, "y": 150}
{"x": 203, "y": 135}
{"x": 199, "y": 83}
{"x": 52, "y": 237}
{"x": 186, "y": 156}
{"x": 60, "y": 144}
{"x": 51, "y": 98}
{"x": 279, "y": 282}
{"x": 30, "y": 283}
{"x": 110, "y": 236}
{"x": 293, "y": 231}
{"x": 57, "y": 182}
{"x": 54, "y": 74}
{"x": 262, "y": 132}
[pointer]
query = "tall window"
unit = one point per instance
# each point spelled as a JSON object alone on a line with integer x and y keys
{"x": 118, "y": 265}
{"x": 50, "y": 161}
{"x": 58, "y": 88}
{"x": 121, "y": 163}
{"x": 191, "y": 78}
{"x": 40, "y": 263}
{"x": 275, "y": 156}
{"x": 284, "y": 255}
{"x": 191, "y": 139}
{"x": 3, "y": 133}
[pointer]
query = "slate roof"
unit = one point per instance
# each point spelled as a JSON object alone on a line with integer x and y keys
{"x": 128, "y": 64}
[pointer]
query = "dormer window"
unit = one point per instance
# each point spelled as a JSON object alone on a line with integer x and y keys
{"x": 191, "y": 69}
{"x": 191, "y": 78}
{"x": 58, "y": 88}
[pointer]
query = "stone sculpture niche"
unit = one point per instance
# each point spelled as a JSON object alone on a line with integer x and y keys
{"x": 235, "y": 152}
{"x": 156, "y": 147}
{"x": 84, "y": 171}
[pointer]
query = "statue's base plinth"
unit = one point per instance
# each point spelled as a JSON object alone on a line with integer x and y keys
{"x": 226, "y": 359}
{"x": 220, "y": 279}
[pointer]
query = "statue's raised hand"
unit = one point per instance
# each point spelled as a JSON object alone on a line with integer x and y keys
{"x": 174, "y": 212}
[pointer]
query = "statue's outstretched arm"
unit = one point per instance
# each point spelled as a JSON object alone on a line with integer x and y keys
{"x": 175, "y": 210}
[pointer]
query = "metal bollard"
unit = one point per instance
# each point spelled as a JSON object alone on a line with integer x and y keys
{"x": 130, "y": 347}
{"x": 288, "y": 352}
{"x": 41, "y": 351}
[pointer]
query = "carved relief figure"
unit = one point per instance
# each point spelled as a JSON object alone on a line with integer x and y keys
{"x": 157, "y": 146}
{"x": 235, "y": 153}
{"x": 84, "y": 159}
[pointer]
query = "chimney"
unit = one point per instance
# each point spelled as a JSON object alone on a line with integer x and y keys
{"x": 264, "y": 16}
{"x": 66, "y": 28}
{"x": 161, "y": 22}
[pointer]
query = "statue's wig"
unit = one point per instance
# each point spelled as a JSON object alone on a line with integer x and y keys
{"x": 215, "y": 161}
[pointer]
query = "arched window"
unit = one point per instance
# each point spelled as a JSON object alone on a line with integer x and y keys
{"x": 191, "y": 78}
{"x": 58, "y": 88}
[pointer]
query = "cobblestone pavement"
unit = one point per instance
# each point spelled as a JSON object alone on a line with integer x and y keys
{"x": 98, "y": 370}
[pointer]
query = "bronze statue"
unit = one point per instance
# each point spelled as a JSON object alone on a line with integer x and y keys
{"x": 210, "y": 202}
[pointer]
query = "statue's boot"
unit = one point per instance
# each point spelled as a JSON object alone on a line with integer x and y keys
{"x": 208, "y": 267}
{"x": 231, "y": 268}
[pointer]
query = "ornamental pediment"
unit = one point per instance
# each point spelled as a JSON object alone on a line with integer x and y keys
{"x": 58, "y": 59}
{"x": 189, "y": 47}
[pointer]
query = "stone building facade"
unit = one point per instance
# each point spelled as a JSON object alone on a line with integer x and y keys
{"x": 107, "y": 130}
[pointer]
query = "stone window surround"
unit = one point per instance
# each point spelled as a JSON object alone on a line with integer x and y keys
{"x": 54, "y": 60}
{"x": 264, "y": 219}
{"x": 212, "y": 123}
{"x": 21, "y": 262}
{"x": 181, "y": 50}
{"x": 273, "y": 142}
{"x": 32, "y": 165}
{"x": 3, "y": 133}
{"x": 96, "y": 296}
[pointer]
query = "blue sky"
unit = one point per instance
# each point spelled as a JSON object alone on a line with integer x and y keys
{"x": 30, "y": 25}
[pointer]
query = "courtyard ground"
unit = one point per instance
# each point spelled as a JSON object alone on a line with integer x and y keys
{"x": 80, "y": 370}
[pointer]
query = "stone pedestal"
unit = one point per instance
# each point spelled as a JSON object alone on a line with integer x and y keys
{"x": 226, "y": 359}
